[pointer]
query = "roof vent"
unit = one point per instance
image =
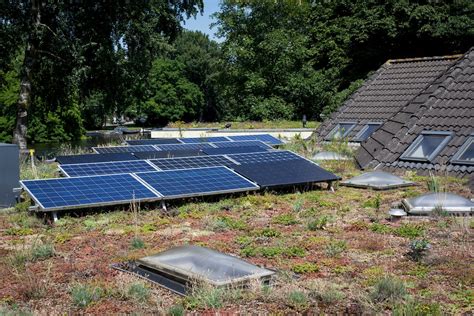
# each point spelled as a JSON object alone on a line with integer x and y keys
{"x": 377, "y": 180}
{"x": 330, "y": 155}
{"x": 444, "y": 202}
{"x": 179, "y": 268}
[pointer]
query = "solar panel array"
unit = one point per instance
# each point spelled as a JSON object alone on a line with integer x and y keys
{"x": 266, "y": 138}
{"x": 197, "y": 168}
{"x": 153, "y": 141}
{"x": 125, "y": 149}
{"x": 191, "y": 182}
{"x": 184, "y": 146}
{"x": 242, "y": 144}
{"x": 112, "y": 167}
{"x": 212, "y": 139}
{"x": 52, "y": 194}
{"x": 191, "y": 162}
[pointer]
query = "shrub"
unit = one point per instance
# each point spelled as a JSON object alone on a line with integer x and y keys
{"x": 271, "y": 252}
{"x": 268, "y": 232}
{"x": 205, "y": 297}
{"x": 318, "y": 223}
{"x": 306, "y": 267}
{"x": 285, "y": 219}
{"x": 412, "y": 308}
{"x": 138, "y": 292}
{"x": 410, "y": 230}
{"x": 374, "y": 202}
{"x": 418, "y": 249}
{"x": 248, "y": 251}
{"x": 380, "y": 228}
{"x": 388, "y": 289}
{"x": 298, "y": 300}
{"x": 83, "y": 295}
{"x": 335, "y": 248}
{"x": 298, "y": 206}
{"x": 42, "y": 251}
{"x": 137, "y": 243}
{"x": 176, "y": 310}
{"x": 295, "y": 251}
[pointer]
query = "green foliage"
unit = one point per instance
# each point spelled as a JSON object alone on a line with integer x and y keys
{"x": 335, "y": 248}
{"x": 374, "y": 202}
{"x": 176, "y": 310}
{"x": 306, "y": 267}
{"x": 137, "y": 243}
{"x": 413, "y": 308}
{"x": 205, "y": 297}
{"x": 381, "y": 228}
{"x": 298, "y": 300}
{"x": 271, "y": 252}
{"x": 138, "y": 292}
{"x": 42, "y": 251}
{"x": 84, "y": 294}
{"x": 248, "y": 251}
{"x": 318, "y": 223}
{"x": 418, "y": 249}
{"x": 285, "y": 219}
{"x": 388, "y": 289}
{"x": 410, "y": 230}
{"x": 268, "y": 232}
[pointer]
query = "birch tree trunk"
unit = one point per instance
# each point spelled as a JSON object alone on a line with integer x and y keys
{"x": 24, "y": 99}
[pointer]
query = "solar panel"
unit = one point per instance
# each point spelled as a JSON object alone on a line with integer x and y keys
{"x": 233, "y": 150}
{"x": 184, "y": 146}
{"x": 242, "y": 143}
{"x": 88, "y": 158}
{"x": 124, "y": 149}
{"x": 153, "y": 141}
{"x": 266, "y": 138}
{"x": 168, "y": 154}
{"x": 111, "y": 167}
{"x": 269, "y": 156}
{"x": 66, "y": 193}
{"x": 191, "y": 162}
{"x": 284, "y": 173}
{"x": 193, "y": 140}
{"x": 196, "y": 182}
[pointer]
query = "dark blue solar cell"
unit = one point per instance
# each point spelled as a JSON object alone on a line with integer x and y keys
{"x": 184, "y": 146}
{"x": 64, "y": 193}
{"x": 123, "y": 149}
{"x": 233, "y": 150}
{"x": 113, "y": 167}
{"x": 268, "y": 156}
{"x": 266, "y": 138}
{"x": 195, "y": 182}
{"x": 194, "y": 140}
{"x": 153, "y": 141}
{"x": 191, "y": 162}
{"x": 89, "y": 158}
{"x": 242, "y": 143}
{"x": 168, "y": 154}
{"x": 285, "y": 173}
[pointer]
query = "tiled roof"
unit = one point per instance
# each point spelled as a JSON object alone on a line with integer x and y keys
{"x": 386, "y": 92}
{"x": 447, "y": 104}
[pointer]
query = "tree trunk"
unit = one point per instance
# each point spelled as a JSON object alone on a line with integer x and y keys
{"x": 24, "y": 99}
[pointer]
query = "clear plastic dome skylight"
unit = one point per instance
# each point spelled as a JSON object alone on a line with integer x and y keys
{"x": 444, "y": 202}
{"x": 179, "y": 268}
{"x": 329, "y": 155}
{"x": 377, "y": 180}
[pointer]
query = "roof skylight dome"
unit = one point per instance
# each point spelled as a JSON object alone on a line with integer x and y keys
{"x": 179, "y": 268}
{"x": 444, "y": 202}
{"x": 377, "y": 180}
{"x": 330, "y": 155}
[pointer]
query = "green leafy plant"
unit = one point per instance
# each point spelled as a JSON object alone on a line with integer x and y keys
{"x": 298, "y": 300}
{"x": 84, "y": 294}
{"x": 285, "y": 219}
{"x": 42, "y": 251}
{"x": 306, "y": 267}
{"x": 138, "y": 292}
{"x": 335, "y": 248}
{"x": 318, "y": 223}
{"x": 388, "y": 289}
{"x": 418, "y": 249}
{"x": 137, "y": 243}
{"x": 410, "y": 230}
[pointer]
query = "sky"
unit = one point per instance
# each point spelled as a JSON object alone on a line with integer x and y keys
{"x": 202, "y": 22}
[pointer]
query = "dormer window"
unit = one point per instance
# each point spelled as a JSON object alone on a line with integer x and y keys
{"x": 366, "y": 131}
{"x": 427, "y": 146}
{"x": 465, "y": 154}
{"x": 341, "y": 130}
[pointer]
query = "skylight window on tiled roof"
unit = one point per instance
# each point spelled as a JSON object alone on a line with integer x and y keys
{"x": 341, "y": 130}
{"x": 426, "y": 146}
{"x": 366, "y": 131}
{"x": 465, "y": 154}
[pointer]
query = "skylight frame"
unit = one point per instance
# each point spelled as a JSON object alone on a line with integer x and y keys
{"x": 417, "y": 142}
{"x": 358, "y": 137}
{"x": 457, "y": 156}
{"x": 332, "y": 133}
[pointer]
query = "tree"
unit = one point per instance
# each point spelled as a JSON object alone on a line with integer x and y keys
{"x": 99, "y": 46}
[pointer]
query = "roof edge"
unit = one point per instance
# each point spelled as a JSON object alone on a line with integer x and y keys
{"x": 415, "y": 59}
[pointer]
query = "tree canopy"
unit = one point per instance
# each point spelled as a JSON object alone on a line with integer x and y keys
{"x": 69, "y": 66}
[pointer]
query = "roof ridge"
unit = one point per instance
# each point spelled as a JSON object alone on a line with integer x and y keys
{"x": 415, "y": 59}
